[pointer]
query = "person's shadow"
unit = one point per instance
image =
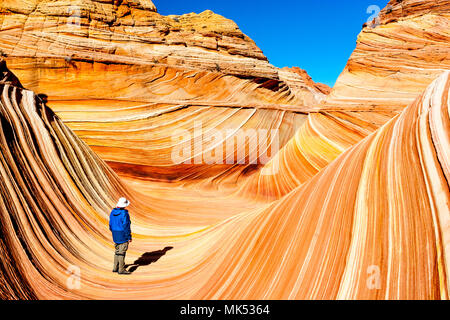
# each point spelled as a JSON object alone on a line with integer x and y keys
{"x": 147, "y": 259}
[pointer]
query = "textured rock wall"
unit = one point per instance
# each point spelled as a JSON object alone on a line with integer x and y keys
{"x": 395, "y": 58}
{"x": 383, "y": 203}
{"x": 92, "y": 40}
{"x": 91, "y": 58}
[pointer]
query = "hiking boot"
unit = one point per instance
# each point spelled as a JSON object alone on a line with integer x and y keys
{"x": 125, "y": 272}
{"x": 115, "y": 271}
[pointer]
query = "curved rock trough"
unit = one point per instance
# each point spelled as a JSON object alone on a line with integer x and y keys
{"x": 246, "y": 181}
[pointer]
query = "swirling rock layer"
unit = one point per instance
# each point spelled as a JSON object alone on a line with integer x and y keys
{"x": 118, "y": 49}
{"x": 353, "y": 202}
{"x": 123, "y": 56}
{"x": 382, "y": 204}
{"x": 397, "y": 56}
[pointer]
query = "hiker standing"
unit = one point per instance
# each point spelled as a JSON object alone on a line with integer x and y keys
{"x": 120, "y": 226}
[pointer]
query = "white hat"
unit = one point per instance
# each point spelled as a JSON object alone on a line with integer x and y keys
{"x": 123, "y": 203}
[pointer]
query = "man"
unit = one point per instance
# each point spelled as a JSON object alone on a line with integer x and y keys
{"x": 120, "y": 226}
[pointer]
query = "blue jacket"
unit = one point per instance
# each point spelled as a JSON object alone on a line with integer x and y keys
{"x": 120, "y": 225}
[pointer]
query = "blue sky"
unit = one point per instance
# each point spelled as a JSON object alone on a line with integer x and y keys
{"x": 316, "y": 35}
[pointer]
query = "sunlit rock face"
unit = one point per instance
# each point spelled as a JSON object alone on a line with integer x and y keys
{"x": 319, "y": 141}
{"x": 373, "y": 224}
{"x": 50, "y": 182}
{"x": 289, "y": 72}
{"x": 397, "y": 56}
{"x": 126, "y": 50}
{"x": 351, "y": 203}
{"x": 125, "y": 78}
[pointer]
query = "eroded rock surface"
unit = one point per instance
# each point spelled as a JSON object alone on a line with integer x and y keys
{"x": 396, "y": 57}
{"x": 383, "y": 203}
{"x": 120, "y": 49}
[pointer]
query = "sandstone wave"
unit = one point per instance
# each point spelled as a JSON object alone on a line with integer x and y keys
{"x": 383, "y": 202}
{"x": 349, "y": 199}
{"x": 397, "y": 56}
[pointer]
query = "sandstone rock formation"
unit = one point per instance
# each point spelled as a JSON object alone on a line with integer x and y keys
{"x": 360, "y": 187}
{"x": 124, "y": 49}
{"x": 325, "y": 234}
{"x": 325, "y": 89}
{"x": 123, "y": 57}
{"x": 383, "y": 204}
{"x": 320, "y": 140}
{"x": 396, "y": 57}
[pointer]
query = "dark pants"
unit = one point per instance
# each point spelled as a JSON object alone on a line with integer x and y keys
{"x": 119, "y": 257}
